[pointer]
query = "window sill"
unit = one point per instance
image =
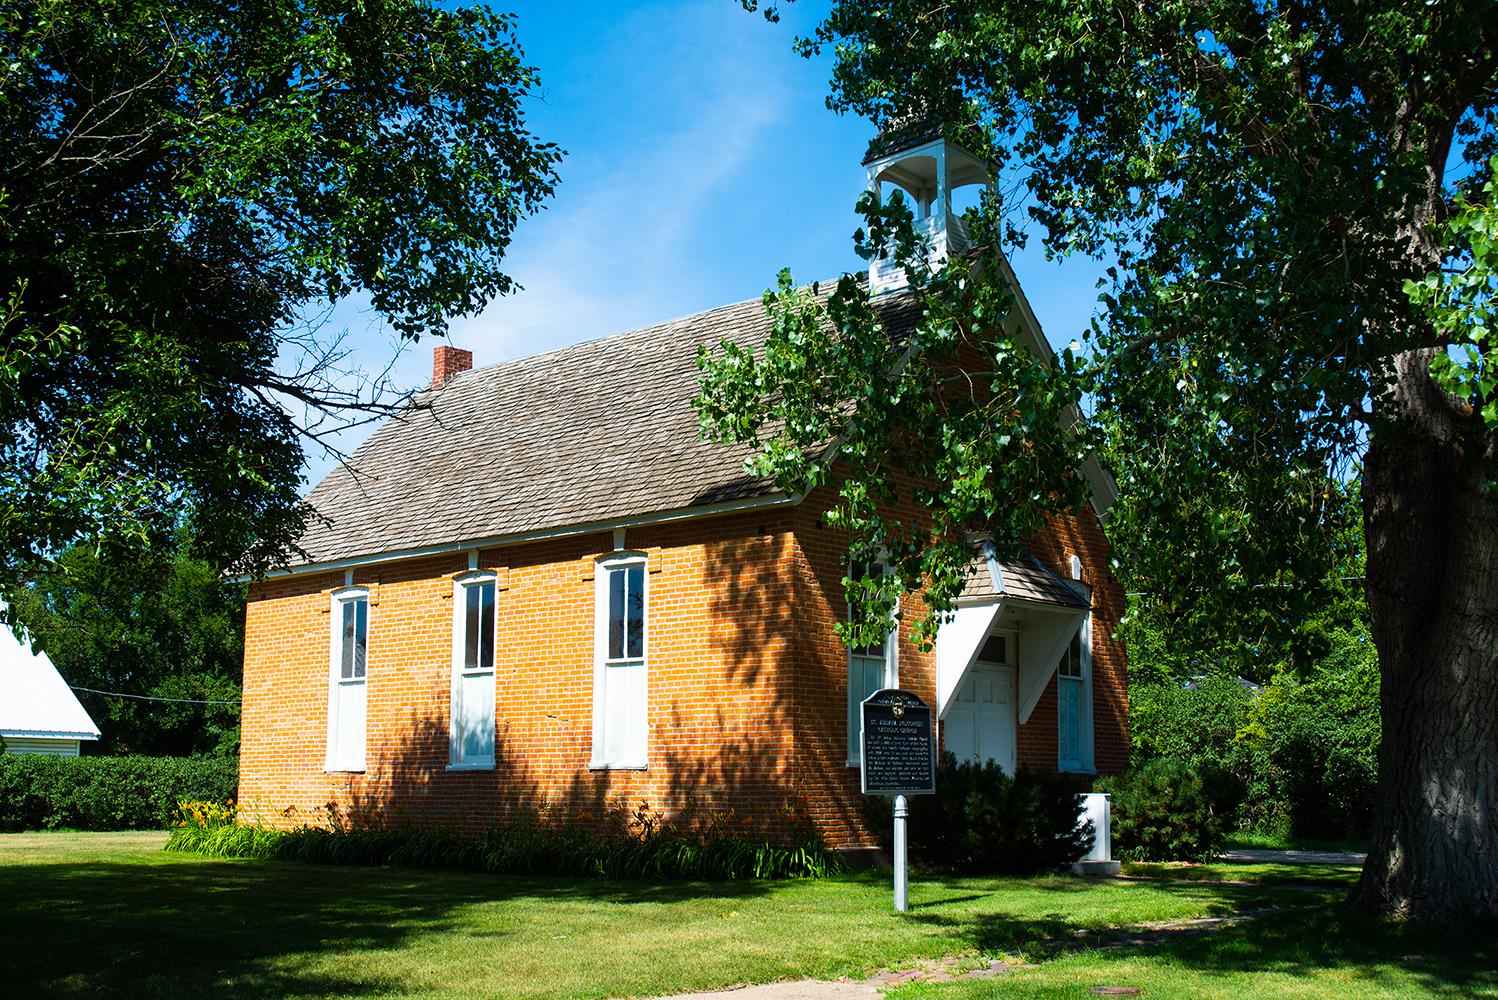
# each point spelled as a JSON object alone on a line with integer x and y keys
{"x": 599, "y": 766}
{"x": 1088, "y": 771}
{"x": 485, "y": 766}
{"x": 343, "y": 770}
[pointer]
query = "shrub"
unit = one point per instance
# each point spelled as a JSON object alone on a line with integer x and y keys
{"x": 1166, "y": 810}
{"x": 982, "y": 820}
{"x": 1300, "y": 756}
{"x": 648, "y": 849}
{"x": 1196, "y": 724}
{"x": 43, "y": 792}
{"x": 1317, "y": 741}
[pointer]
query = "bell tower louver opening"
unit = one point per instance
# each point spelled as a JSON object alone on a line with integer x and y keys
{"x": 928, "y": 168}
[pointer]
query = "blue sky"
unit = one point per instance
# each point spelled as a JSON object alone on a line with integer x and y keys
{"x": 701, "y": 159}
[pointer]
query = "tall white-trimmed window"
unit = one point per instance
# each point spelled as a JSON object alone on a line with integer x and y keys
{"x": 1074, "y": 703}
{"x": 620, "y": 701}
{"x": 347, "y": 679}
{"x": 870, "y": 668}
{"x": 472, "y": 737}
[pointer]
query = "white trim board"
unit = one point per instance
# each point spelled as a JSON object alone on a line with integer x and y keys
{"x": 539, "y": 535}
{"x": 45, "y": 734}
{"x": 1045, "y": 637}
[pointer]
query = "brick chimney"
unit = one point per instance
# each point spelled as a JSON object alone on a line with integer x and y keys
{"x": 448, "y": 361}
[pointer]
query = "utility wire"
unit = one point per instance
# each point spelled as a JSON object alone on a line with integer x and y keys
{"x": 147, "y": 697}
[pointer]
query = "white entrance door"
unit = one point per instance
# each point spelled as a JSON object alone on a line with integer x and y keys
{"x": 980, "y": 724}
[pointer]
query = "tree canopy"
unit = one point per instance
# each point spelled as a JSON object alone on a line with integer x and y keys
{"x": 180, "y": 182}
{"x": 1294, "y": 202}
{"x": 164, "y": 633}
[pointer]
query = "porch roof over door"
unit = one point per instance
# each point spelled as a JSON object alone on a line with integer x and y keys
{"x": 1022, "y": 579}
{"x": 1053, "y": 609}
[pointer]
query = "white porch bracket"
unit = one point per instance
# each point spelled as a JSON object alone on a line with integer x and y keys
{"x": 1047, "y": 633}
{"x": 958, "y": 642}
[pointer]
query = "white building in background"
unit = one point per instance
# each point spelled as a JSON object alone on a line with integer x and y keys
{"x": 39, "y": 713}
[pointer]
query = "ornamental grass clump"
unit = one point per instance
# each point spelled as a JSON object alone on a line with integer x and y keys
{"x": 641, "y": 845}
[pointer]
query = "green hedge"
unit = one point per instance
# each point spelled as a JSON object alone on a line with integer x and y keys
{"x": 43, "y": 792}
{"x": 657, "y": 853}
{"x": 1301, "y": 755}
{"x": 981, "y": 820}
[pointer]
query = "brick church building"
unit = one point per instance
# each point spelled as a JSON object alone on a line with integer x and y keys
{"x": 537, "y": 588}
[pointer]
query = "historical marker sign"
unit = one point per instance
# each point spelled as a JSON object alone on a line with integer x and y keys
{"x": 899, "y": 744}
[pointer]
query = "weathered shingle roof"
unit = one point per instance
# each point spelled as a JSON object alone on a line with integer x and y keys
{"x": 596, "y": 432}
{"x": 1025, "y": 578}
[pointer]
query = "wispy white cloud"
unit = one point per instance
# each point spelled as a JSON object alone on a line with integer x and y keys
{"x": 625, "y": 239}
{"x": 666, "y": 113}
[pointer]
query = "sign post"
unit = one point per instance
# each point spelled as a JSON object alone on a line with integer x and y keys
{"x": 902, "y": 880}
{"x": 898, "y": 759}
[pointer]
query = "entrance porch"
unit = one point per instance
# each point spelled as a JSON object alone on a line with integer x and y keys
{"x": 1014, "y": 624}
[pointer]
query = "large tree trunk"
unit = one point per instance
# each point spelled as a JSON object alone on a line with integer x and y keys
{"x": 1432, "y": 578}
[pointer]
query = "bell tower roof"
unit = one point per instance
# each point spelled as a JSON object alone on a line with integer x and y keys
{"x": 901, "y": 133}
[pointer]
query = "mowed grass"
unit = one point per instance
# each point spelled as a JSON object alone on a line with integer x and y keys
{"x": 110, "y": 915}
{"x": 1311, "y": 949}
{"x": 1305, "y": 952}
{"x": 1283, "y": 840}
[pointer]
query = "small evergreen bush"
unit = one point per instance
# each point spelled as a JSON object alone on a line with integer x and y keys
{"x": 982, "y": 820}
{"x": 645, "y": 848}
{"x": 1166, "y": 810}
{"x": 44, "y": 792}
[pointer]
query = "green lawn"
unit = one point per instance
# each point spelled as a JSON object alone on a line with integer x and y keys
{"x": 1304, "y": 953}
{"x": 1281, "y": 840}
{"x": 112, "y": 915}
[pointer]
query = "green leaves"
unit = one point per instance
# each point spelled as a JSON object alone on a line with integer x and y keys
{"x": 1461, "y": 301}
{"x": 166, "y": 625}
{"x": 1261, "y": 177}
{"x": 920, "y": 408}
{"x": 182, "y": 181}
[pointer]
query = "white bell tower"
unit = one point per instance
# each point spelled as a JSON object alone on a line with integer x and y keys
{"x": 928, "y": 168}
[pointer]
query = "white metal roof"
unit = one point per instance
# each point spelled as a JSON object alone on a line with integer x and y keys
{"x": 34, "y": 699}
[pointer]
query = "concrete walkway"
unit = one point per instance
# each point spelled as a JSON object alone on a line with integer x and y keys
{"x": 806, "y": 989}
{"x": 1264, "y": 857}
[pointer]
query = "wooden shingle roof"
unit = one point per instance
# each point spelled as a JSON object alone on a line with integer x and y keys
{"x": 1025, "y": 578}
{"x": 589, "y": 434}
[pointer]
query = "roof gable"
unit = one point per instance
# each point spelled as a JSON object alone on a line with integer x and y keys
{"x": 1025, "y": 578}
{"x": 588, "y": 437}
{"x": 34, "y": 699}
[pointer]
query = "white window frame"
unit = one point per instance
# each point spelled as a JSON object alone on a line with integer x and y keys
{"x": 891, "y": 672}
{"x": 1084, "y": 765}
{"x": 337, "y": 683}
{"x": 639, "y": 759}
{"x": 460, "y": 670}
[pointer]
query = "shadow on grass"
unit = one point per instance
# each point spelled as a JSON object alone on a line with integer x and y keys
{"x": 1290, "y": 927}
{"x": 1305, "y": 874}
{"x": 1453, "y": 960}
{"x": 1039, "y": 935}
{"x": 109, "y": 929}
{"x": 169, "y": 926}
